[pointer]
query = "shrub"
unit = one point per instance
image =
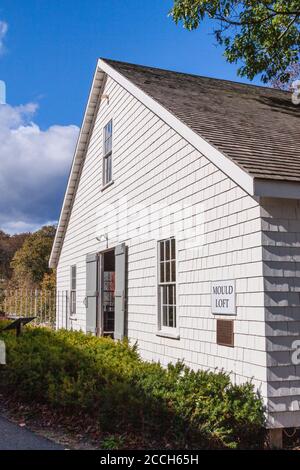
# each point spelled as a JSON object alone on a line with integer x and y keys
{"x": 108, "y": 381}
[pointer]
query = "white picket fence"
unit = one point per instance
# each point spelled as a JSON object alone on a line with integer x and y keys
{"x": 41, "y": 304}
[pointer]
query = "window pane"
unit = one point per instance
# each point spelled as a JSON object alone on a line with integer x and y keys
{"x": 167, "y": 250}
{"x": 170, "y": 295}
{"x": 162, "y": 272}
{"x": 173, "y": 264}
{"x": 107, "y": 169}
{"x": 73, "y": 277}
{"x": 174, "y": 294}
{"x": 165, "y": 316}
{"x": 73, "y": 302}
{"x": 164, "y": 295}
{"x": 173, "y": 256}
{"x": 109, "y": 172}
{"x": 107, "y": 145}
{"x": 161, "y": 249}
{"x": 171, "y": 317}
{"x": 168, "y": 272}
{"x": 108, "y": 130}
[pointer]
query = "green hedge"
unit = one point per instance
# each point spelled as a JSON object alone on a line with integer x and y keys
{"x": 107, "y": 380}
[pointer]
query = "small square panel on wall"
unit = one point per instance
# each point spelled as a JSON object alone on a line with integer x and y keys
{"x": 225, "y": 333}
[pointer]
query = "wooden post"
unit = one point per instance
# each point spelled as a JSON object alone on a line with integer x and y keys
{"x": 275, "y": 438}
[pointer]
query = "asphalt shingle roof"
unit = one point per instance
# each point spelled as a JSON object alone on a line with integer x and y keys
{"x": 256, "y": 127}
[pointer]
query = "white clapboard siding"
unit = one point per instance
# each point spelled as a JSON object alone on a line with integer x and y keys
{"x": 154, "y": 166}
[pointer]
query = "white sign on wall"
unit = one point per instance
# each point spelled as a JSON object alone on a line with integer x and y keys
{"x": 223, "y": 297}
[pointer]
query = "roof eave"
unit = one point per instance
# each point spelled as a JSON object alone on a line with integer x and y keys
{"x": 276, "y": 188}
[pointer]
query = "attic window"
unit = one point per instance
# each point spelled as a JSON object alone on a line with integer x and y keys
{"x": 107, "y": 153}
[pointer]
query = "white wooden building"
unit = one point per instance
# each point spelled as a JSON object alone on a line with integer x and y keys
{"x": 180, "y": 226}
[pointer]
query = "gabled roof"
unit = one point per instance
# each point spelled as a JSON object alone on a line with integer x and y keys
{"x": 251, "y": 133}
{"x": 257, "y": 127}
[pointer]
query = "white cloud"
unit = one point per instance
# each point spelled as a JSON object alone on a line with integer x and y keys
{"x": 34, "y": 168}
{"x": 3, "y": 31}
{"x": 21, "y": 227}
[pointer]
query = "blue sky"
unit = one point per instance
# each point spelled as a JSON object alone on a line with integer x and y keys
{"x": 48, "y": 57}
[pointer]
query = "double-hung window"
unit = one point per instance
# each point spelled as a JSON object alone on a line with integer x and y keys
{"x": 107, "y": 153}
{"x": 167, "y": 283}
{"x": 73, "y": 291}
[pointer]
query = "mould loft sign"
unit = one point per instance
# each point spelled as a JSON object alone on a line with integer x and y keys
{"x": 223, "y": 297}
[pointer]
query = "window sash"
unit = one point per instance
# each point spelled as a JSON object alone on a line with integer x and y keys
{"x": 107, "y": 168}
{"x": 73, "y": 290}
{"x": 168, "y": 305}
{"x": 73, "y": 277}
{"x": 73, "y": 302}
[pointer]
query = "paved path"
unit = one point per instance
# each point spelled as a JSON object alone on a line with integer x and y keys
{"x": 13, "y": 437}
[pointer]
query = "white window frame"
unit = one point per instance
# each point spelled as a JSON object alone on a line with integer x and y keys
{"x": 171, "y": 331}
{"x": 107, "y": 155}
{"x": 73, "y": 289}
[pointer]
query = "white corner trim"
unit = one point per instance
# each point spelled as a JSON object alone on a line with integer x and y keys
{"x": 227, "y": 166}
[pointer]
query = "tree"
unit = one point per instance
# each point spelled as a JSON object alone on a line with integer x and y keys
{"x": 294, "y": 72}
{"x": 264, "y": 35}
{"x": 9, "y": 244}
{"x": 30, "y": 262}
{"x": 49, "y": 281}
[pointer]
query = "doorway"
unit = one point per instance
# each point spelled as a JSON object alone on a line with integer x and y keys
{"x": 107, "y": 299}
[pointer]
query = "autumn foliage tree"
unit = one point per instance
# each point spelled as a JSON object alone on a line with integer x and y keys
{"x": 30, "y": 262}
{"x": 9, "y": 244}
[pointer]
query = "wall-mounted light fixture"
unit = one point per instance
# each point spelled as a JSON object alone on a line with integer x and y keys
{"x": 103, "y": 237}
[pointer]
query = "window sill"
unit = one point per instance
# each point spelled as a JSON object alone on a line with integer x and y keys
{"x": 107, "y": 185}
{"x": 167, "y": 334}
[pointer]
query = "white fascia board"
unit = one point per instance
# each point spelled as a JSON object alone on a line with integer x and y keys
{"x": 79, "y": 155}
{"x": 227, "y": 166}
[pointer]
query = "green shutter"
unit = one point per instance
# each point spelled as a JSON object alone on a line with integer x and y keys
{"x": 91, "y": 293}
{"x": 120, "y": 291}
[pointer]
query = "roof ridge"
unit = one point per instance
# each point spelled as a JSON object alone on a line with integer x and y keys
{"x": 261, "y": 87}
